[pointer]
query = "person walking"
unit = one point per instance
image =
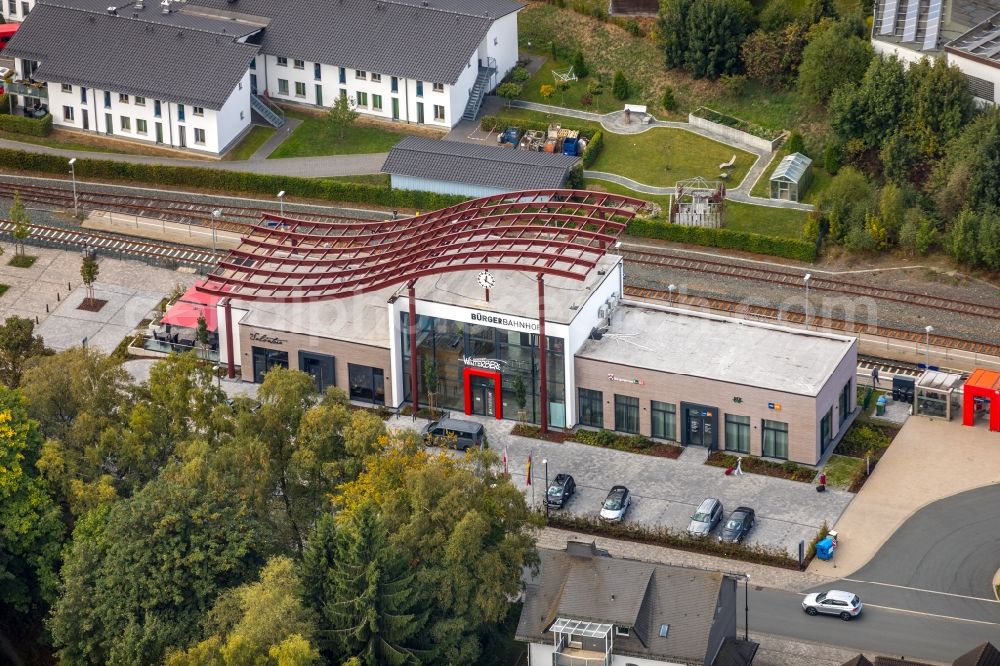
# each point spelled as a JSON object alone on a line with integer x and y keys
{"x": 739, "y": 467}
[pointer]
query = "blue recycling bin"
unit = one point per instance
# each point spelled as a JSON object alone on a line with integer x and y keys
{"x": 880, "y": 405}
{"x": 825, "y": 548}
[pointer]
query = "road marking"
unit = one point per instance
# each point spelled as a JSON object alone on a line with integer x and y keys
{"x": 918, "y": 589}
{"x": 913, "y": 612}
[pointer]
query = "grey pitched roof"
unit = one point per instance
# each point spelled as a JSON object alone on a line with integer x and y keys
{"x": 392, "y": 37}
{"x": 186, "y": 64}
{"x": 683, "y": 599}
{"x": 490, "y": 166}
{"x": 984, "y": 654}
{"x": 792, "y": 167}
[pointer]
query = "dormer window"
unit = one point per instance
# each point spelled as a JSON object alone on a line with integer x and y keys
{"x": 621, "y": 631}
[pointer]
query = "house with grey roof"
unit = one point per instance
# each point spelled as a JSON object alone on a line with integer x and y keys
{"x": 472, "y": 170}
{"x": 196, "y": 74}
{"x": 966, "y": 33}
{"x": 585, "y": 608}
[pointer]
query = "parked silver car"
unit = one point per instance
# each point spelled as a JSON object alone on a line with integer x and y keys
{"x": 846, "y": 605}
{"x": 704, "y": 520}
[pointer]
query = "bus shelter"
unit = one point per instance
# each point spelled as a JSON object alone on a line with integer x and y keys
{"x": 934, "y": 393}
{"x": 982, "y": 397}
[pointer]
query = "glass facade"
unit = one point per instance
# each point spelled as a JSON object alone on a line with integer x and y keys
{"x": 775, "y": 439}
{"x": 454, "y": 346}
{"x": 626, "y": 414}
{"x": 738, "y": 433}
{"x": 663, "y": 420}
{"x": 591, "y": 408}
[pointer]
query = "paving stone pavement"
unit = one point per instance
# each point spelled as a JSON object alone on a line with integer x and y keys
{"x": 666, "y": 492}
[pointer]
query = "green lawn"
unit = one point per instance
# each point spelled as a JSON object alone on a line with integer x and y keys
{"x": 251, "y": 142}
{"x": 774, "y": 108}
{"x": 663, "y": 155}
{"x": 615, "y": 188}
{"x": 314, "y": 137}
{"x": 840, "y": 470}
{"x": 22, "y": 261}
{"x": 570, "y": 98}
{"x": 785, "y": 222}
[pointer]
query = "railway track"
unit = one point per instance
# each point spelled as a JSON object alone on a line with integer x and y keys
{"x": 237, "y": 219}
{"x": 111, "y": 243}
{"x": 778, "y": 276}
{"x": 765, "y": 313}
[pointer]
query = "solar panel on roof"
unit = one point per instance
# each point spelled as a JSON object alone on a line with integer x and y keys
{"x": 889, "y": 17}
{"x": 910, "y": 27}
{"x": 933, "y": 25}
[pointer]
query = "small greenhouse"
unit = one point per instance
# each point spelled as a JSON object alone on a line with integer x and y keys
{"x": 791, "y": 178}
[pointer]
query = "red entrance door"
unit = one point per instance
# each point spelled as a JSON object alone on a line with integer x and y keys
{"x": 479, "y": 394}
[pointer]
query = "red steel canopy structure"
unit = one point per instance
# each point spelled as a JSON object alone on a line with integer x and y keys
{"x": 982, "y": 385}
{"x": 548, "y": 232}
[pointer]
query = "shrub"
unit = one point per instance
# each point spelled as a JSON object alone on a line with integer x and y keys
{"x": 619, "y": 88}
{"x": 595, "y": 87}
{"x": 30, "y": 126}
{"x": 664, "y": 536}
{"x": 669, "y": 101}
{"x": 519, "y": 75}
{"x": 784, "y": 470}
{"x": 725, "y": 238}
{"x": 593, "y": 149}
{"x": 574, "y": 179}
{"x": 4, "y": 104}
{"x": 233, "y": 181}
{"x": 794, "y": 144}
{"x": 580, "y": 65}
{"x": 831, "y": 158}
{"x": 586, "y": 99}
{"x": 546, "y": 91}
{"x": 811, "y": 550}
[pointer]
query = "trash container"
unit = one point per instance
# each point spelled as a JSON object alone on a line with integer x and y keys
{"x": 880, "y": 406}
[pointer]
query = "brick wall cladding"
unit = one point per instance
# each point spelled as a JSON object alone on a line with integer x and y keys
{"x": 343, "y": 352}
{"x": 798, "y": 411}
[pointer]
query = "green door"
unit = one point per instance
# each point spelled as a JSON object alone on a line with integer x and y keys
{"x": 319, "y": 95}
{"x": 395, "y": 108}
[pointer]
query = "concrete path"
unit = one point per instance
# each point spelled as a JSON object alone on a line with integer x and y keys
{"x": 333, "y": 165}
{"x": 276, "y": 139}
{"x": 629, "y": 183}
{"x": 928, "y": 461}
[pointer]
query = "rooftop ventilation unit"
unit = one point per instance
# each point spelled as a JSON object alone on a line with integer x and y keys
{"x": 139, "y": 4}
{"x": 113, "y": 11}
{"x": 166, "y": 6}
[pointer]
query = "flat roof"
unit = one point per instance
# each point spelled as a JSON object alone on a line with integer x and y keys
{"x": 515, "y": 291}
{"x": 723, "y": 349}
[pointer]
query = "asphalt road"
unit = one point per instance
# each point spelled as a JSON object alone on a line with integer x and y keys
{"x": 927, "y": 592}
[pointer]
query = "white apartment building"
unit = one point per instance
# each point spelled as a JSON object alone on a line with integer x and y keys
{"x": 16, "y": 10}
{"x": 196, "y": 74}
{"x": 964, "y": 32}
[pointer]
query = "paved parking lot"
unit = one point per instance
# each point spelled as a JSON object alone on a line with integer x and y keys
{"x": 666, "y": 492}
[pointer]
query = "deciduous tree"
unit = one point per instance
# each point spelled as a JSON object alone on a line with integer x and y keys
{"x": 830, "y": 60}
{"x": 18, "y": 216}
{"x": 18, "y": 346}
{"x": 341, "y": 115}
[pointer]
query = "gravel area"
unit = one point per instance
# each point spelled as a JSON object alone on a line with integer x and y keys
{"x": 851, "y": 308}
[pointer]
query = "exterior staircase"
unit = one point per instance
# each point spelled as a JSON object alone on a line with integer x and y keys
{"x": 269, "y": 113}
{"x": 479, "y": 90}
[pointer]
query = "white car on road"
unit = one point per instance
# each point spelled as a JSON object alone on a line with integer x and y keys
{"x": 846, "y": 605}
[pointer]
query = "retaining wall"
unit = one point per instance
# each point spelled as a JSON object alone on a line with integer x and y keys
{"x": 733, "y": 135}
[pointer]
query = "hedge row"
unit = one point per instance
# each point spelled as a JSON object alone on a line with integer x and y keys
{"x": 593, "y": 149}
{"x": 233, "y": 181}
{"x": 4, "y": 104}
{"x": 724, "y": 238}
{"x": 23, "y": 125}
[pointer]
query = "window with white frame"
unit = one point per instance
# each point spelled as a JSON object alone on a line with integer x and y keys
{"x": 376, "y": 102}
{"x": 126, "y": 124}
{"x": 282, "y": 86}
{"x": 140, "y": 126}
{"x": 363, "y": 100}
{"x": 621, "y": 631}
{"x": 360, "y": 74}
{"x": 123, "y": 98}
{"x": 438, "y": 87}
{"x": 438, "y": 112}
{"x": 300, "y": 89}
{"x": 25, "y": 8}
{"x": 299, "y": 64}
{"x": 282, "y": 62}
{"x": 198, "y": 110}
{"x": 199, "y": 135}
{"x": 376, "y": 78}
{"x": 68, "y": 114}
{"x": 140, "y": 101}
{"x": 67, "y": 88}
{"x": 12, "y": 8}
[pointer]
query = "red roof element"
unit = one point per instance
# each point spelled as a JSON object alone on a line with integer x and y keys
{"x": 192, "y": 305}
{"x": 554, "y": 232}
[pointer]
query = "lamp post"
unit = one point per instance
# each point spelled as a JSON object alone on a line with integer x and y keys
{"x": 927, "y": 345}
{"x": 808, "y": 276}
{"x": 72, "y": 173}
{"x": 746, "y": 607}
{"x": 671, "y": 288}
{"x": 545, "y": 464}
{"x": 281, "y": 203}
{"x": 216, "y": 214}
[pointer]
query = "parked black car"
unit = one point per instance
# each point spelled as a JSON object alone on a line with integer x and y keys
{"x": 560, "y": 491}
{"x": 739, "y": 524}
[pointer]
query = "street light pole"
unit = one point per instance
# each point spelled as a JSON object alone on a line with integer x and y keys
{"x": 927, "y": 347}
{"x": 281, "y": 203}
{"x": 72, "y": 173}
{"x": 807, "y": 277}
{"x": 545, "y": 464}
{"x": 746, "y": 607}
{"x": 216, "y": 214}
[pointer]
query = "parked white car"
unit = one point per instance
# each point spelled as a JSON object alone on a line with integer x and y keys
{"x": 617, "y": 503}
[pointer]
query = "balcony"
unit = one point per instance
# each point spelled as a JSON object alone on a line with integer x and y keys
{"x": 577, "y": 657}
{"x": 37, "y": 89}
